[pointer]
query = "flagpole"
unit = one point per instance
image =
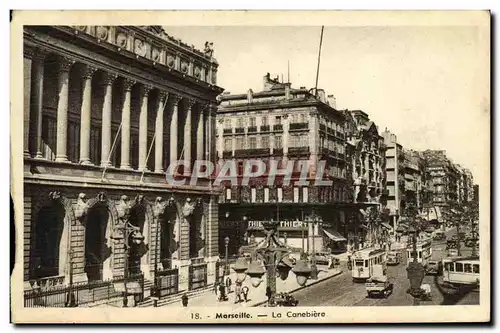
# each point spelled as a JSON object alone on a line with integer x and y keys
{"x": 319, "y": 60}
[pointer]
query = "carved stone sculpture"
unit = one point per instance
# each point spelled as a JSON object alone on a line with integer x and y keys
{"x": 81, "y": 206}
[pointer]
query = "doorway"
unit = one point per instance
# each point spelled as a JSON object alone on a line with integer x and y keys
{"x": 97, "y": 253}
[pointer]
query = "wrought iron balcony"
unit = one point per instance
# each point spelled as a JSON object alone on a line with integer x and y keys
{"x": 298, "y": 150}
{"x": 322, "y": 128}
{"x": 252, "y": 152}
{"x": 239, "y": 130}
{"x": 228, "y": 131}
{"x": 278, "y": 151}
{"x": 299, "y": 126}
{"x": 278, "y": 127}
{"x": 252, "y": 129}
{"x": 264, "y": 128}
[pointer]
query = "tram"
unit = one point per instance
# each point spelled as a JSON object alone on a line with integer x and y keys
{"x": 461, "y": 271}
{"x": 424, "y": 251}
{"x": 363, "y": 261}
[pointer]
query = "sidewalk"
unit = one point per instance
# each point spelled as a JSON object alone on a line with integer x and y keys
{"x": 257, "y": 296}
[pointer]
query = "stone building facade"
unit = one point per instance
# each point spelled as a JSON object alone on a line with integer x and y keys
{"x": 106, "y": 110}
{"x": 283, "y": 124}
{"x": 395, "y": 184}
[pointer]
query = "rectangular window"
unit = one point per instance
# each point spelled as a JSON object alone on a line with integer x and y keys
{"x": 295, "y": 194}
{"x": 227, "y": 123}
{"x": 468, "y": 268}
{"x": 280, "y": 194}
{"x": 239, "y": 143}
{"x": 264, "y": 142}
{"x": 302, "y": 118}
{"x": 228, "y": 144}
{"x": 278, "y": 142}
{"x": 359, "y": 263}
{"x": 253, "y": 121}
{"x": 252, "y": 141}
{"x": 459, "y": 267}
{"x": 475, "y": 268}
{"x": 253, "y": 194}
{"x": 278, "y": 120}
{"x": 366, "y": 263}
{"x": 228, "y": 193}
{"x": 264, "y": 121}
{"x": 295, "y": 118}
{"x": 266, "y": 194}
{"x": 305, "y": 194}
{"x": 240, "y": 122}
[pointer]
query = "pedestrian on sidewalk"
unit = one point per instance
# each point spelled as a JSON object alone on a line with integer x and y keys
{"x": 222, "y": 292}
{"x": 237, "y": 292}
{"x": 245, "y": 291}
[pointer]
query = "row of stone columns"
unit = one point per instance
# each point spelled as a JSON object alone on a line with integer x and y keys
{"x": 34, "y": 63}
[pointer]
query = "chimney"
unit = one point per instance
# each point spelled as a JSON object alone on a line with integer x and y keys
{"x": 321, "y": 95}
{"x": 287, "y": 91}
{"x": 250, "y": 96}
{"x": 332, "y": 101}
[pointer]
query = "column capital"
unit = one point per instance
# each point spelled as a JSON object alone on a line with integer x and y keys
{"x": 128, "y": 84}
{"x": 174, "y": 99}
{"x": 162, "y": 95}
{"x": 109, "y": 78}
{"x": 39, "y": 55}
{"x": 189, "y": 102}
{"x": 29, "y": 51}
{"x": 65, "y": 64}
{"x": 88, "y": 72}
{"x": 145, "y": 89}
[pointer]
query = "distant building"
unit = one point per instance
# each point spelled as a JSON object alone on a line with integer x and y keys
{"x": 394, "y": 169}
{"x": 282, "y": 124}
{"x": 476, "y": 193}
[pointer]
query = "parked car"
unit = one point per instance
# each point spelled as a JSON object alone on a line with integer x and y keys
{"x": 393, "y": 257}
{"x": 434, "y": 267}
{"x": 322, "y": 258}
{"x": 439, "y": 235}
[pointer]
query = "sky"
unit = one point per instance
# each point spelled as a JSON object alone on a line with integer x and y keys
{"x": 420, "y": 82}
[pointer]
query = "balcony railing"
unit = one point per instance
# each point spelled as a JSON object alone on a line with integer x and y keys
{"x": 322, "y": 127}
{"x": 299, "y": 126}
{"x": 278, "y": 151}
{"x": 228, "y": 131}
{"x": 227, "y": 154}
{"x": 252, "y": 129}
{"x": 264, "y": 128}
{"x": 239, "y": 130}
{"x": 278, "y": 127}
{"x": 298, "y": 150}
{"x": 252, "y": 152}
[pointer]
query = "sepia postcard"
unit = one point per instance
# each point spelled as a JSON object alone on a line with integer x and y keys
{"x": 251, "y": 166}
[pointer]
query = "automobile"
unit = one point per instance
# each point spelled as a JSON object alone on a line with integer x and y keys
{"x": 439, "y": 235}
{"x": 452, "y": 252}
{"x": 434, "y": 267}
{"x": 451, "y": 244}
{"x": 393, "y": 258}
{"x": 322, "y": 258}
{"x": 471, "y": 241}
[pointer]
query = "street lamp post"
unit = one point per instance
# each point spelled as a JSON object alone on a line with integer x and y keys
{"x": 159, "y": 209}
{"x": 415, "y": 270}
{"x": 274, "y": 255}
{"x": 124, "y": 231}
{"x": 314, "y": 220}
{"x": 226, "y": 243}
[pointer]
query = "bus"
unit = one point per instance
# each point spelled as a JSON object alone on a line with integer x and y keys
{"x": 424, "y": 252}
{"x": 461, "y": 271}
{"x": 362, "y": 262}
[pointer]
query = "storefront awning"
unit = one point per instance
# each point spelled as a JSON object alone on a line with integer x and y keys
{"x": 334, "y": 235}
{"x": 387, "y": 225}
